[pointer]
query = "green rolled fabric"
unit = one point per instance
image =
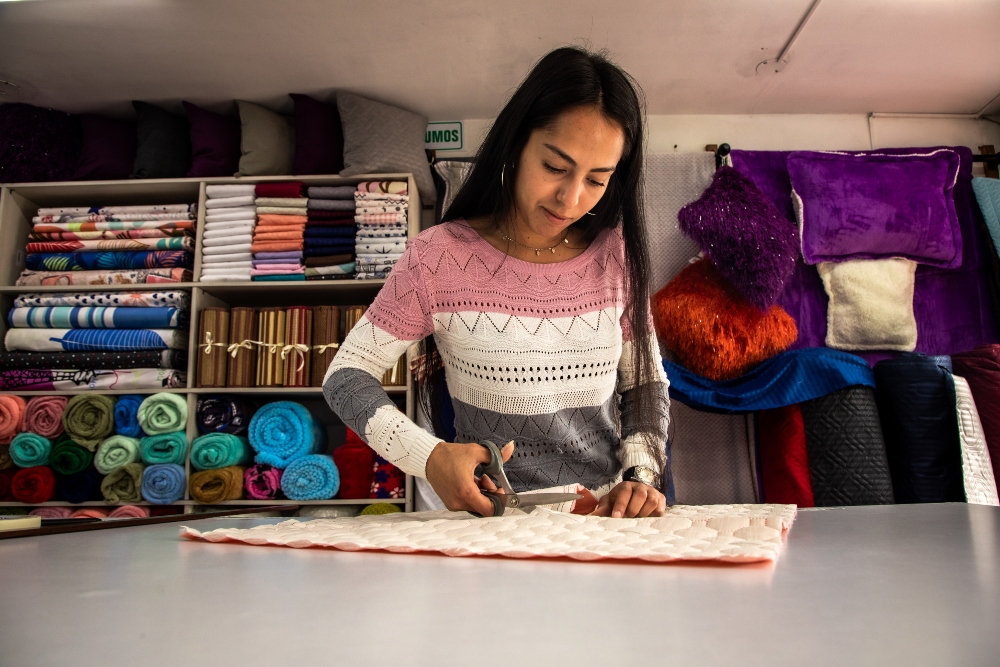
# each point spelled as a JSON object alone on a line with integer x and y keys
{"x": 89, "y": 419}
{"x": 163, "y": 413}
{"x": 220, "y": 450}
{"x": 123, "y": 485}
{"x": 30, "y": 449}
{"x": 163, "y": 448}
{"x": 69, "y": 458}
{"x": 115, "y": 452}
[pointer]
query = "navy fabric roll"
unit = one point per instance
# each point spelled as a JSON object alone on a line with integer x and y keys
{"x": 127, "y": 415}
{"x": 344, "y": 232}
{"x": 224, "y": 414}
{"x": 81, "y": 487}
{"x": 916, "y": 403}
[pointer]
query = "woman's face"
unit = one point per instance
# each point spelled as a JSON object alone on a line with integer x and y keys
{"x": 564, "y": 170}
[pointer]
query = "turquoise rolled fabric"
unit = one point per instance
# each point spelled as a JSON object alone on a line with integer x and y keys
{"x": 220, "y": 450}
{"x": 164, "y": 448}
{"x": 115, "y": 452}
{"x": 30, "y": 449}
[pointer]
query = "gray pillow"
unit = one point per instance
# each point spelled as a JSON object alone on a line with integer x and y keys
{"x": 267, "y": 142}
{"x": 379, "y": 138}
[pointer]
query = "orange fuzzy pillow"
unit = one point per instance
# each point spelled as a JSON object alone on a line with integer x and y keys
{"x": 712, "y": 329}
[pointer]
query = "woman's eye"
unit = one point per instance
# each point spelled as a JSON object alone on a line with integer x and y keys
{"x": 597, "y": 183}
{"x": 554, "y": 170}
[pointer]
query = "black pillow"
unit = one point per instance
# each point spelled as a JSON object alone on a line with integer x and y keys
{"x": 164, "y": 143}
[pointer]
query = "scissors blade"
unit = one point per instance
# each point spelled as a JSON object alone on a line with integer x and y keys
{"x": 532, "y": 499}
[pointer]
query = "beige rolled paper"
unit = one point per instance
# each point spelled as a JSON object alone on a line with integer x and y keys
{"x": 298, "y": 346}
{"x": 271, "y": 334}
{"x": 213, "y": 339}
{"x": 243, "y": 347}
{"x": 325, "y": 341}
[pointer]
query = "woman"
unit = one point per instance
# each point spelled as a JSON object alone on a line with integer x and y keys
{"x": 535, "y": 292}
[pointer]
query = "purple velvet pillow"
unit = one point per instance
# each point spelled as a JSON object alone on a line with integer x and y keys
{"x": 215, "y": 143}
{"x": 875, "y": 206}
{"x": 37, "y": 144}
{"x": 108, "y": 150}
{"x": 746, "y": 237}
{"x": 319, "y": 137}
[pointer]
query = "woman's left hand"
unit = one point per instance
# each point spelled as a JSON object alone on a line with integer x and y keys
{"x": 631, "y": 499}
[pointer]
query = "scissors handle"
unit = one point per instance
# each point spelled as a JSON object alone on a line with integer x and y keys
{"x": 494, "y": 498}
{"x": 495, "y": 467}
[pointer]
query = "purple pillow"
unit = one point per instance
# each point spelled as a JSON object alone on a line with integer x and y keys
{"x": 37, "y": 144}
{"x": 319, "y": 137}
{"x": 746, "y": 237}
{"x": 108, "y": 150}
{"x": 876, "y": 205}
{"x": 215, "y": 143}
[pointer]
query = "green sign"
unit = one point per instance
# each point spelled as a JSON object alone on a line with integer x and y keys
{"x": 443, "y": 135}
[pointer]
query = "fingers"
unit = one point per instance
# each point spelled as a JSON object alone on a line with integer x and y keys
{"x": 652, "y": 506}
{"x": 621, "y": 501}
{"x": 635, "y": 504}
{"x": 604, "y": 505}
{"x": 507, "y": 451}
{"x": 486, "y": 483}
{"x": 474, "y": 501}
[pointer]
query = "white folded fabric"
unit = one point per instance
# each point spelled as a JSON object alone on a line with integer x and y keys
{"x": 230, "y": 213}
{"x": 226, "y": 249}
{"x": 221, "y": 191}
{"x": 225, "y": 266}
{"x": 229, "y": 257}
{"x": 281, "y": 210}
{"x": 227, "y": 241}
{"x": 232, "y": 231}
{"x": 230, "y": 276}
{"x": 294, "y": 202}
{"x": 229, "y": 202}
{"x": 229, "y": 224}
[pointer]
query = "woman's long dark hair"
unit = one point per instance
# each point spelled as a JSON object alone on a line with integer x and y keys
{"x": 566, "y": 79}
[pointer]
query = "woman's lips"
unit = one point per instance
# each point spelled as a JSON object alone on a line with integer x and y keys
{"x": 553, "y": 217}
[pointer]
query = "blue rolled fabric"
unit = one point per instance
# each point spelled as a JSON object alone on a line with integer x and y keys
{"x": 312, "y": 477}
{"x": 787, "y": 379}
{"x": 96, "y": 317}
{"x": 283, "y": 431}
{"x": 30, "y": 449}
{"x": 220, "y": 450}
{"x": 127, "y": 415}
{"x": 916, "y": 404}
{"x": 163, "y": 483}
{"x": 79, "y": 487}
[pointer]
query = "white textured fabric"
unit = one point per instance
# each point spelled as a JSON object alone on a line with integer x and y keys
{"x": 710, "y": 457}
{"x": 238, "y": 246}
{"x": 235, "y": 238}
{"x": 977, "y": 468}
{"x": 220, "y": 191}
{"x": 229, "y": 202}
{"x": 727, "y": 533}
{"x": 672, "y": 180}
{"x": 221, "y": 214}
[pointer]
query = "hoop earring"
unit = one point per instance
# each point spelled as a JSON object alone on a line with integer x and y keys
{"x": 590, "y": 213}
{"x": 502, "y": 169}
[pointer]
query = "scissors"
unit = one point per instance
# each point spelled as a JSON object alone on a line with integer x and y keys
{"x": 494, "y": 470}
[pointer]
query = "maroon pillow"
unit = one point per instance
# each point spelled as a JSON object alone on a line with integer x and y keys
{"x": 215, "y": 143}
{"x": 319, "y": 137}
{"x": 108, "y": 151}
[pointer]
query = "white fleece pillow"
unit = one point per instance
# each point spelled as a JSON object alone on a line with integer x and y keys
{"x": 871, "y": 304}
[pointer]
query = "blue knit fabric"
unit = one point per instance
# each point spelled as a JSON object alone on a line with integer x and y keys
{"x": 789, "y": 378}
{"x": 163, "y": 483}
{"x": 127, "y": 415}
{"x": 283, "y": 431}
{"x": 313, "y": 477}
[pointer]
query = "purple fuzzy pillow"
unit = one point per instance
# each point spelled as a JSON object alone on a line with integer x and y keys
{"x": 215, "y": 143}
{"x": 108, "y": 151}
{"x": 876, "y": 206}
{"x": 319, "y": 137}
{"x": 745, "y": 236}
{"x": 37, "y": 144}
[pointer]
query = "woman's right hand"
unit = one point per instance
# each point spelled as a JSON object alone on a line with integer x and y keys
{"x": 451, "y": 471}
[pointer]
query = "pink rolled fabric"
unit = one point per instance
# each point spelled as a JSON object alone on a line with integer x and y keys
{"x": 11, "y": 412}
{"x": 129, "y": 512}
{"x": 43, "y": 415}
{"x": 90, "y": 513}
{"x": 262, "y": 482}
{"x": 51, "y": 512}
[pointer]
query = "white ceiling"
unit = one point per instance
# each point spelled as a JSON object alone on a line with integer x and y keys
{"x": 459, "y": 58}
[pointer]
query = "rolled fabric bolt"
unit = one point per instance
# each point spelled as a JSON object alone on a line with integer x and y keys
{"x": 5, "y": 460}
{"x": 79, "y": 487}
{"x": 163, "y": 413}
{"x": 262, "y": 482}
{"x": 89, "y": 419}
{"x": 283, "y": 431}
{"x": 69, "y": 458}
{"x": 220, "y": 450}
{"x": 312, "y": 477}
{"x": 380, "y": 508}
{"x": 90, "y": 513}
{"x": 164, "y": 448}
{"x": 225, "y": 414}
{"x": 115, "y": 452}
{"x": 51, "y": 512}
{"x": 28, "y": 450}
{"x": 127, "y": 415}
{"x": 129, "y": 512}
{"x": 212, "y": 486}
{"x": 33, "y": 486}
{"x": 123, "y": 485}
{"x": 43, "y": 415}
{"x": 163, "y": 484}
{"x": 11, "y": 414}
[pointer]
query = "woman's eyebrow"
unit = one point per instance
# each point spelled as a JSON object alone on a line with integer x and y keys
{"x": 566, "y": 157}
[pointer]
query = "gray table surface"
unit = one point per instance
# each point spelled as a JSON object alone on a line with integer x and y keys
{"x": 905, "y": 585}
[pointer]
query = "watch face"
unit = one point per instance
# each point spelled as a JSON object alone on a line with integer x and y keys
{"x": 643, "y": 474}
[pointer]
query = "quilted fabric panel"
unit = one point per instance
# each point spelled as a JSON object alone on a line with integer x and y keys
{"x": 710, "y": 457}
{"x": 847, "y": 459}
{"x": 981, "y": 369}
{"x": 726, "y": 533}
{"x": 977, "y": 471}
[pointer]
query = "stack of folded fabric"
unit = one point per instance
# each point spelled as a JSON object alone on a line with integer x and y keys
{"x": 230, "y": 217}
{"x": 380, "y": 211}
{"x": 330, "y": 233}
{"x": 277, "y": 240}
{"x": 110, "y": 245}
{"x": 95, "y": 340}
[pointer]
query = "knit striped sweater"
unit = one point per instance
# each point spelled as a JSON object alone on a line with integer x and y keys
{"x": 535, "y": 353}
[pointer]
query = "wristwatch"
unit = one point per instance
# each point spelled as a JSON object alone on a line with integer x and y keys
{"x": 640, "y": 474}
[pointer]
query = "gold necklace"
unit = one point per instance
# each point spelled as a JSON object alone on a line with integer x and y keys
{"x": 551, "y": 248}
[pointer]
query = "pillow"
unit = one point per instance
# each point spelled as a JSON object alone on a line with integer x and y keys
{"x": 319, "y": 138}
{"x": 712, "y": 330}
{"x": 871, "y": 304}
{"x": 215, "y": 143}
{"x": 37, "y": 144}
{"x": 164, "y": 143}
{"x": 452, "y": 174}
{"x": 379, "y": 138}
{"x": 874, "y": 206}
{"x": 267, "y": 142}
{"x": 745, "y": 236}
{"x": 107, "y": 152}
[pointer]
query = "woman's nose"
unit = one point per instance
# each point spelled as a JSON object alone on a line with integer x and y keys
{"x": 569, "y": 194}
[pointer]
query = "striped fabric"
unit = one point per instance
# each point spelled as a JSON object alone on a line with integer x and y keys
{"x": 96, "y": 317}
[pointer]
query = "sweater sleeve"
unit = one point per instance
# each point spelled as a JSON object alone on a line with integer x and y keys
{"x": 399, "y": 317}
